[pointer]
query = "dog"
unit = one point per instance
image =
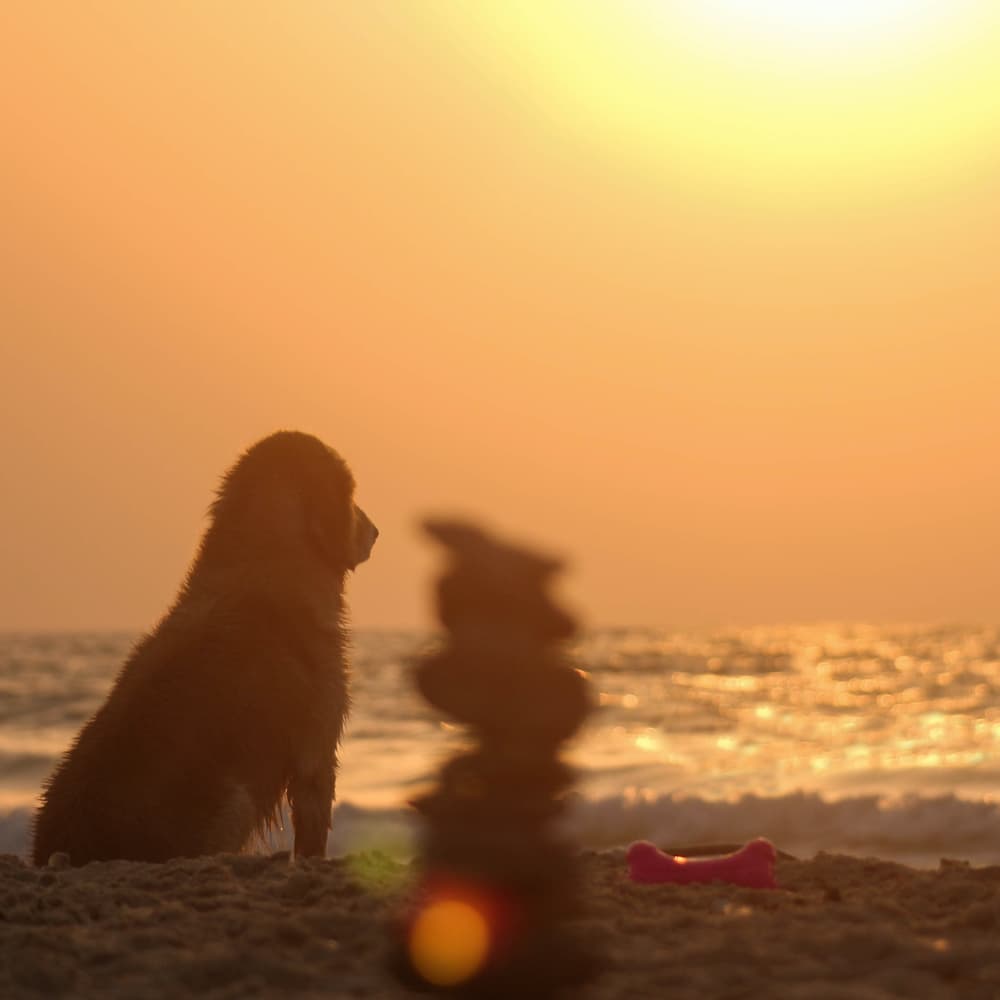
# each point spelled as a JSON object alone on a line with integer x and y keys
{"x": 238, "y": 698}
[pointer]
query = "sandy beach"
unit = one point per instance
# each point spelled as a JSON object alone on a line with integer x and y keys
{"x": 244, "y": 926}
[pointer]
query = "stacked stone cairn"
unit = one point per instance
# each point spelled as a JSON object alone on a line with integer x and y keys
{"x": 490, "y": 826}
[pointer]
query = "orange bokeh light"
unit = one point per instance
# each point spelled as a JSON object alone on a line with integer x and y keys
{"x": 449, "y": 942}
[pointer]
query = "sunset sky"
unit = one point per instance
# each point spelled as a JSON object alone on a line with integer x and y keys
{"x": 705, "y": 295}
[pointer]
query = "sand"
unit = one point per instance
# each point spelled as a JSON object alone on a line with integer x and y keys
{"x": 244, "y": 926}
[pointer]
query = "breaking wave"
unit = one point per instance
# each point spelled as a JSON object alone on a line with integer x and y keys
{"x": 912, "y": 829}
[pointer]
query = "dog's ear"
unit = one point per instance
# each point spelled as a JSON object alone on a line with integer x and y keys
{"x": 322, "y": 539}
{"x": 329, "y": 528}
{"x": 274, "y": 513}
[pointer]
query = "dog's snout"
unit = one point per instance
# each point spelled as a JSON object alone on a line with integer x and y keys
{"x": 365, "y": 534}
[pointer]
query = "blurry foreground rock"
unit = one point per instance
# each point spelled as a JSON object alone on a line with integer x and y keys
{"x": 498, "y": 881}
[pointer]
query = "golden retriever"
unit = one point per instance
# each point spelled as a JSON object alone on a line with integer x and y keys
{"x": 238, "y": 697}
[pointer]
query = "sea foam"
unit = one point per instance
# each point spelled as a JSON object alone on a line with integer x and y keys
{"x": 911, "y": 829}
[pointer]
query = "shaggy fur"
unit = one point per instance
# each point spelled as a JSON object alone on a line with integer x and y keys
{"x": 239, "y": 695}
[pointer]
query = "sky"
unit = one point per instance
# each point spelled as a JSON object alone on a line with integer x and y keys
{"x": 707, "y": 303}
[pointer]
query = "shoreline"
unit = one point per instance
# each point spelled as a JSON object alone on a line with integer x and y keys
{"x": 912, "y": 831}
{"x": 252, "y": 925}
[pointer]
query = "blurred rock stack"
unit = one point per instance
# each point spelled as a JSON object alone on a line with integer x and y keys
{"x": 489, "y": 837}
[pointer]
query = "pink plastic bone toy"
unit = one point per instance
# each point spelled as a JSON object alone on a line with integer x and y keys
{"x": 751, "y": 866}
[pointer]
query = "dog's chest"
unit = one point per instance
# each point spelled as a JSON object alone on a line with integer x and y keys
{"x": 322, "y": 683}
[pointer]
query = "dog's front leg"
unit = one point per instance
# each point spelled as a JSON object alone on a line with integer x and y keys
{"x": 310, "y": 794}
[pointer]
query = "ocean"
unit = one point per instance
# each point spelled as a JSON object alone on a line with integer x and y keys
{"x": 845, "y": 738}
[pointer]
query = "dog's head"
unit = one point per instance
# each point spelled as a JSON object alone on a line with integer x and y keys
{"x": 292, "y": 496}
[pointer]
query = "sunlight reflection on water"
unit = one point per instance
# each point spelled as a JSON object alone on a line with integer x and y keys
{"x": 717, "y": 713}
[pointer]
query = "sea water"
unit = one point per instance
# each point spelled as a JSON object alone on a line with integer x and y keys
{"x": 863, "y": 739}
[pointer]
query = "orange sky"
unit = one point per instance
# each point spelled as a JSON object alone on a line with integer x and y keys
{"x": 223, "y": 218}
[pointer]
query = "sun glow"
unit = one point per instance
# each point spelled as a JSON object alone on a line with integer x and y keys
{"x": 841, "y": 27}
{"x": 789, "y": 97}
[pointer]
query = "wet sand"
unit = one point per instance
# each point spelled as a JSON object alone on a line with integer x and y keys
{"x": 243, "y": 926}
